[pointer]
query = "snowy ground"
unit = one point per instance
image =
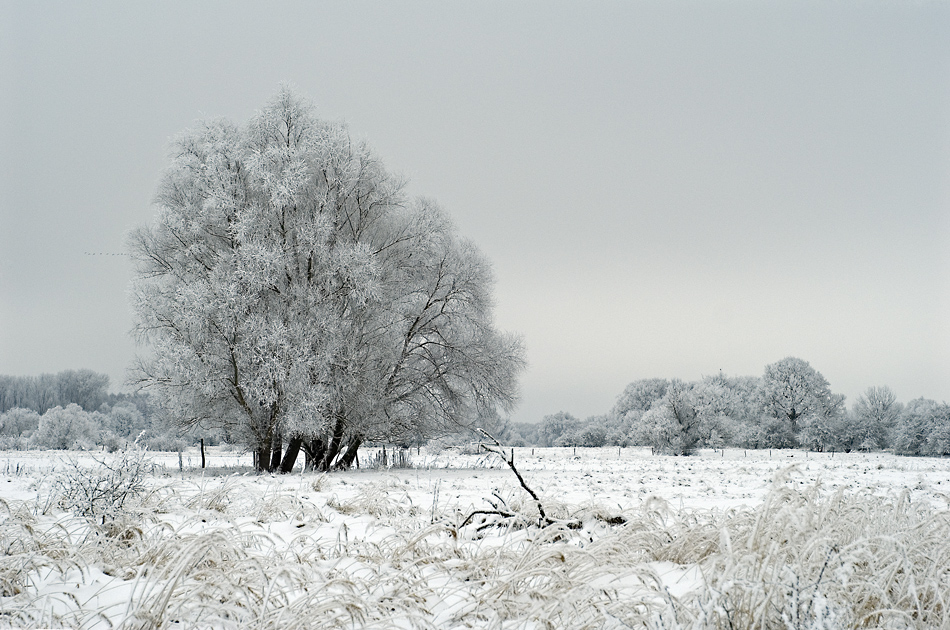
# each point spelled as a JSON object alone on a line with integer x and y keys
{"x": 223, "y": 547}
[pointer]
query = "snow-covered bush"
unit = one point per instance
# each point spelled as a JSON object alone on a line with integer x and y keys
{"x": 167, "y": 442}
{"x": 19, "y": 422}
{"x": 16, "y": 427}
{"x": 69, "y": 428}
{"x": 101, "y": 492}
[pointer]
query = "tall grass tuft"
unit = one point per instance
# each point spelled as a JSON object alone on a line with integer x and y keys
{"x": 805, "y": 559}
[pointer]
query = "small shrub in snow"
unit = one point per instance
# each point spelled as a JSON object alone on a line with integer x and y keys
{"x": 167, "y": 443}
{"x": 13, "y": 443}
{"x": 103, "y": 491}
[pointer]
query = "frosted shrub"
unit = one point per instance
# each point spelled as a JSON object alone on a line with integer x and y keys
{"x": 17, "y": 421}
{"x": 101, "y": 492}
{"x": 13, "y": 443}
{"x": 69, "y": 428}
{"x": 167, "y": 442}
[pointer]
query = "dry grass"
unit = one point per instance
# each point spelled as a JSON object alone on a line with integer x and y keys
{"x": 208, "y": 554}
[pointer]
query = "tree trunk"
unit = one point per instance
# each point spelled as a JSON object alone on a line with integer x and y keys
{"x": 347, "y": 460}
{"x": 313, "y": 450}
{"x": 263, "y": 457}
{"x": 277, "y": 443}
{"x": 290, "y": 455}
{"x": 335, "y": 442}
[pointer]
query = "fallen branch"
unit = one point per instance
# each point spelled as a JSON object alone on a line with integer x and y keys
{"x": 498, "y": 450}
{"x": 544, "y": 520}
{"x": 468, "y": 519}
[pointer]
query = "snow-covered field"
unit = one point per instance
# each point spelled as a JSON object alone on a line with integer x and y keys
{"x": 726, "y": 539}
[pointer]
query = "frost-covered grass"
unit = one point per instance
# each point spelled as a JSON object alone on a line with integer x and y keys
{"x": 723, "y": 540}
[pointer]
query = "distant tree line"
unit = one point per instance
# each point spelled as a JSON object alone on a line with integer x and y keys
{"x": 74, "y": 410}
{"x": 41, "y": 393}
{"x": 790, "y": 406}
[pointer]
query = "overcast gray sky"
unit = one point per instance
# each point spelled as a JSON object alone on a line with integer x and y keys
{"x": 665, "y": 188}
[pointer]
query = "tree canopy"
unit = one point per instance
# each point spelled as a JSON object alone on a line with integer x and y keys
{"x": 290, "y": 288}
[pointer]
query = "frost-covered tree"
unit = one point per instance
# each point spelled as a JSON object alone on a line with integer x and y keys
{"x": 731, "y": 410}
{"x": 591, "y": 432}
{"x": 800, "y": 399}
{"x": 640, "y": 396}
{"x": 290, "y": 290}
{"x": 555, "y": 426}
{"x": 938, "y": 441}
{"x": 425, "y": 359}
{"x": 874, "y": 415}
{"x": 38, "y": 393}
{"x": 637, "y": 398}
{"x": 922, "y": 428}
{"x": 673, "y": 424}
{"x": 594, "y": 432}
{"x": 826, "y": 431}
{"x": 125, "y": 421}
{"x": 525, "y": 433}
{"x": 16, "y": 428}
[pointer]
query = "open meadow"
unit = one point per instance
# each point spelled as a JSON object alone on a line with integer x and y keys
{"x": 724, "y": 539}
